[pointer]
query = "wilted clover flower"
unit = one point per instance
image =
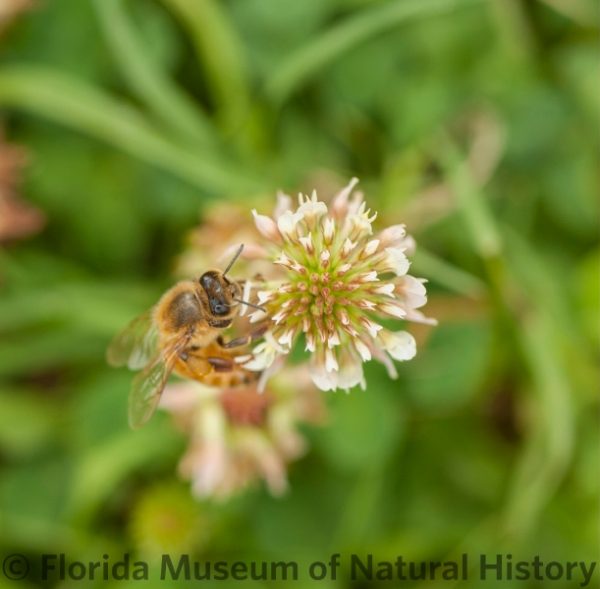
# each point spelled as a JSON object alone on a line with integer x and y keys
{"x": 18, "y": 219}
{"x": 339, "y": 281}
{"x": 238, "y": 435}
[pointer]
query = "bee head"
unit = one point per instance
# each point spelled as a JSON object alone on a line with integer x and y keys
{"x": 219, "y": 296}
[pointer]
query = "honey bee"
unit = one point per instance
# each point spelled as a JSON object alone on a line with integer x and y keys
{"x": 182, "y": 333}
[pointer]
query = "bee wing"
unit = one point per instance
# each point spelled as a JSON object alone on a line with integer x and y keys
{"x": 148, "y": 385}
{"x": 136, "y": 345}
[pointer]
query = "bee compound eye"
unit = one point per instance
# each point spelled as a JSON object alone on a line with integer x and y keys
{"x": 220, "y": 309}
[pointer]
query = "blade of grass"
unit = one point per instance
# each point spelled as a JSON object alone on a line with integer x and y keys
{"x": 51, "y": 347}
{"x": 86, "y": 109}
{"x": 549, "y": 441}
{"x": 478, "y": 218}
{"x": 547, "y": 453}
{"x": 514, "y": 28}
{"x": 99, "y": 309}
{"x": 538, "y": 277}
{"x": 220, "y": 51}
{"x": 441, "y": 272}
{"x": 170, "y": 104}
{"x": 313, "y": 57}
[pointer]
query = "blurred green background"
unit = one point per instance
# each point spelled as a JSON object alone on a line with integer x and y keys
{"x": 475, "y": 122}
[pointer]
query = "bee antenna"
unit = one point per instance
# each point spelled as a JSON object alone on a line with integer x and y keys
{"x": 250, "y": 305}
{"x": 233, "y": 260}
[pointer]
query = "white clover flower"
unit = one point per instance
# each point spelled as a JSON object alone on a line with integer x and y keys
{"x": 340, "y": 279}
{"x": 264, "y": 354}
{"x": 400, "y": 345}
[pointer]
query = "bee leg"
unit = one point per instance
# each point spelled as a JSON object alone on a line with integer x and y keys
{"x": 221, "y": 364}
{"x": 238, "y": 342}
{"x": 185, "y": 354}
{"x": 260, "y": 330}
